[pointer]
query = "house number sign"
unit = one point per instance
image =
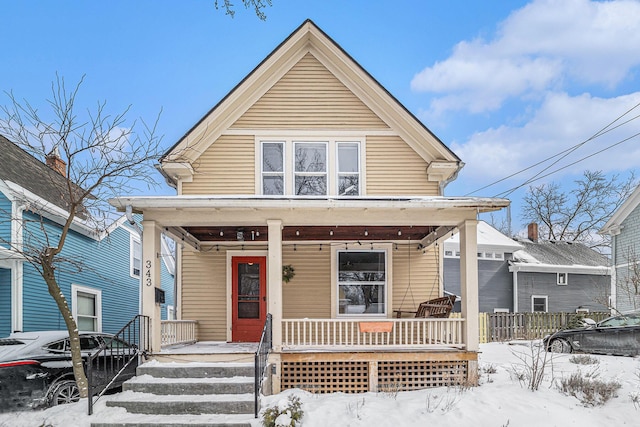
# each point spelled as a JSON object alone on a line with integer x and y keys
{"x": 147, "y": 273}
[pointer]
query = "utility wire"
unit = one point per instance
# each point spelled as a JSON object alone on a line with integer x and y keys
{"x": 563, "y": 154}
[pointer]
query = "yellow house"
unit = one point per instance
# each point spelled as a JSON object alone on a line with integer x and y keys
{"x": 310, "y": 193}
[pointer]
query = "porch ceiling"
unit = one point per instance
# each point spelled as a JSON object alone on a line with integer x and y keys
{"x": 257, "y": 233}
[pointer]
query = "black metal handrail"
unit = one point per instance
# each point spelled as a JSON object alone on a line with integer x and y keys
{"x": 261, "y": 357}
{"x": 115, "y": 355}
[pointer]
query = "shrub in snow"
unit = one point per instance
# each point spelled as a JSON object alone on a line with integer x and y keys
{"x": 534, "y": 364}
{"x": 584, "y": 359}
{"x": 588, "y": 390}
{"x": 285, "y": 413}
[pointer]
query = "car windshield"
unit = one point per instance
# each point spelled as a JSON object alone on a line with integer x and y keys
{"x": 623, "y": 320}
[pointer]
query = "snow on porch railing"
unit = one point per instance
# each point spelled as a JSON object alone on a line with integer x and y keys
{"x": 429, "y": 332}
{"x": 178, "y": 332}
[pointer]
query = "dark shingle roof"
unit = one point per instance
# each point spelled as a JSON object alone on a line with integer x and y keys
{"x": 559, "y": 253}
{"x": 20, "y": 167}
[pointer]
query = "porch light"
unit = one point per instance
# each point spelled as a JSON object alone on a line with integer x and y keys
{"x": 399, "y": 232}
{"x": 297, "y": 232}
{"x": 366, "y": 233}
{"x": 221, "y": 233}
{"x": 330, "y": 232}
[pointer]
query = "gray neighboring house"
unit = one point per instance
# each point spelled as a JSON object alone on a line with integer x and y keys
{"x": 550, "y": 276}
{"x": 624, "y": 229}
{"x": 495, "y": 282}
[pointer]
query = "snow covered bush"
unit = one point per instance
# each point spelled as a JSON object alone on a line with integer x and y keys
{"x": 285, "y": 413}
{"x": 589, "y": 390}
{"x": 584, "y": 359}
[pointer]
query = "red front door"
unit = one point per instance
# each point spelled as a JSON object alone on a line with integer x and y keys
{"x": 249, "y": 288}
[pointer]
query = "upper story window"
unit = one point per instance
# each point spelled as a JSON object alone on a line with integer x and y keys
{"x": 562, "y": 279}
{"x": 135, "y": 256}
{"x": 310, "y": 167}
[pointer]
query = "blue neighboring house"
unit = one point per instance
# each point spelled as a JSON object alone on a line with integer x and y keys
{"x": 104, "y": 293}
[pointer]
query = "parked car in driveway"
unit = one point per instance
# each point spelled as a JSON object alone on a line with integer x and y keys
{"x": 618, "y": 335}
{"x": 36, "y": 368}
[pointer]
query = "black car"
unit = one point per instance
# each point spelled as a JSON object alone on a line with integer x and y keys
{"x": 619, "y": 335}
{"x": 36, "y": 369}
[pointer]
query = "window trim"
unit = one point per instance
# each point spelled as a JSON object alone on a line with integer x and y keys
{"x": 387, "y": 249}
{"x": 565, "y": 282}
{"x": 132, "y": 241}
{"x": 97, "y": 293}
{"x": 332, "y": 173}
{"x": 546, "y": 303}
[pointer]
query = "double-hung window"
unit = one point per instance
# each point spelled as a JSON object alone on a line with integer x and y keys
{"x": 310, "y": 169}
{"x": 348, "y": 168}
{"x": 135, "y": 251}
{"x": 273, "y": 168}
{"x": 87, "y": 308}
{"x": 362, "y": 282}
{"x": 539, "y": 303}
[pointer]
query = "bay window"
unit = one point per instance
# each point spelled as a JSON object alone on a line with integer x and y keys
{"x": 310, "y": 169}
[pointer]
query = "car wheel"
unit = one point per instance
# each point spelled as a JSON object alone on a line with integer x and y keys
{"x": 560, "y": 346}
{"x": 64, "y": 392}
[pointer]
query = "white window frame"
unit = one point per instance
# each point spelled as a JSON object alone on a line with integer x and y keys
{"x": 546, "y": 303}
{"x": 324, "y": 174}
{"x": 338, "y": 173}
{"x": 332, "y": 173}
{"x": 132, "y": 241}
{"x": 171, "y": 313}
{"x": 97, "y": 294}
{"x": 384, "y": 248}
{"x": 284, "y": 164}
{"x": 501, "y": 310}
{"x": 560, "y": 281}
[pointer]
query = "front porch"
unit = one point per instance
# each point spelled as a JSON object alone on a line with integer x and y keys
{"x": 348, "y": 355}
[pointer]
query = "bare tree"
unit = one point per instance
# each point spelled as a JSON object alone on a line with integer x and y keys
{"x": 257, "y": 5}
{"x": 628, "y": 281}
{"x": 105, "y": 156}
{"x": 578, "y": 214}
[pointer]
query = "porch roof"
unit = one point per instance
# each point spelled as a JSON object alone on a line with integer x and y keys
{"x": 217, "y": 218}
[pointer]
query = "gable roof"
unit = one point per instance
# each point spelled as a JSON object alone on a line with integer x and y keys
{"x": 551, "y": 255}
{"x": 23, "y": 169}
{"x": 308, "y": 37}
{"x": 613, "y": 225}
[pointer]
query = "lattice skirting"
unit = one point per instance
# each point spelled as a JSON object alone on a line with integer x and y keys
{"x": 373, "y": 374}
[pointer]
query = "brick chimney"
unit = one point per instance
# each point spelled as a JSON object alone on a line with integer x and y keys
{"x": 55, "y": 162}
{"x": 532, "y": 232}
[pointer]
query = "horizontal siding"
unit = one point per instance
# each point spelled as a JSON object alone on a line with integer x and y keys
{"x": 309, "y": 97}
{"x": 582, "y": 290}
{"x": 227, "y": 167}
{"x": 107, "y": 270}
{"x": 5, "y": 302}
{"x": 308, "y": 294}
{"x": 5, "y": 221}
{"x": 415, "y": 277}
{"x": 393, "y": 168}
{"x": 204, "y": 293}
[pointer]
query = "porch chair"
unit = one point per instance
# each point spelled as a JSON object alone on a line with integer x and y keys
{"x": 437, "y": 307}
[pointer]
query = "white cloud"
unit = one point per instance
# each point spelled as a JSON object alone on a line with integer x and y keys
{"x": 561, "y": 122}
{"x": 544, "y": 45}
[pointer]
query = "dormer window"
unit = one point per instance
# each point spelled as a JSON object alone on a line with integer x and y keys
{"x": 309, "y": 167}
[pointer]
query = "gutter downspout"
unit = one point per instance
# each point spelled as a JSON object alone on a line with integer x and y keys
{"x": 515, "y": 288}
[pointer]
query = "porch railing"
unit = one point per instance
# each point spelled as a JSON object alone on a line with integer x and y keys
{"x": 372, "y": 333}
{"x": 178, "y": 332}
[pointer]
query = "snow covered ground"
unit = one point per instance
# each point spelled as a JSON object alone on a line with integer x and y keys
{"x": 502, "y": 399}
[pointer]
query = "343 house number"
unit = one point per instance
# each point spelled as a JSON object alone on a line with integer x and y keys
{"x": 147, "y": 273}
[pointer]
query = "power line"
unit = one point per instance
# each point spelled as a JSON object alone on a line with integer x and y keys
{"x": 563, "y": 154}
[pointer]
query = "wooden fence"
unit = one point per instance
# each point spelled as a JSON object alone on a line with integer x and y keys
{"x": 511, "y": 326}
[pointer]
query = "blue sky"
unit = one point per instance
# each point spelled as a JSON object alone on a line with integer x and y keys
{"x": 505, "y": 84}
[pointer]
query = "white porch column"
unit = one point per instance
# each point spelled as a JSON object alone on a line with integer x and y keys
{"x": 469, "y": 282}
{"x": 151, "y": 280}
{"x": 274, "y": 280}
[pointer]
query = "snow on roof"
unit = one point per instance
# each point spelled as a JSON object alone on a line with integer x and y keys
{"x": 559, "y": 253}
{"x": 487, "y": 236}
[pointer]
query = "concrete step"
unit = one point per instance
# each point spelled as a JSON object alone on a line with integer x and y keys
{"x": 182, "y": 386}
{"x": 146, "y": 403}
{"x": 208, "y": 420}
{"x": 196, "y": 370}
